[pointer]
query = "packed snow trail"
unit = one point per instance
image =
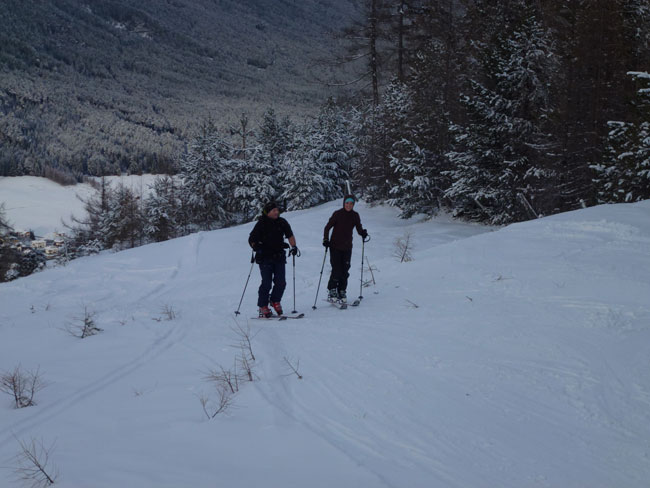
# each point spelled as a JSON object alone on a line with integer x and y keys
{"x": 511, "y": 358}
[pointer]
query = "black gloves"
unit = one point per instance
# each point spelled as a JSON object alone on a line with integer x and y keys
{"x": 294, "y": 251}
{"x": 364, "y": 234}
{"x": 326, "y": 242}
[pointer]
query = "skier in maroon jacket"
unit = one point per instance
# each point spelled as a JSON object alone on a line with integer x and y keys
{"x": 343, "y": 221}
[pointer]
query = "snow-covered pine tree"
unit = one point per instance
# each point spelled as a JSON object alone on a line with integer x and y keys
{"x": 207, "y": 178}
{"x": 624, "y": 174}
{"x": 4, "y": 223}
{"x": 499, "y": 162}
{"x": 305, "y": 182}
{"x": 414, "y": 178}
{"x": 122, "y": 225}
{"x": 89, "y": 233}
{"x": 274, "y": 136}
{"x": 256, "y": 184}
{"x": 415, "y": 188}
{"x": 331, "y": 148}
{"x": 163, "y": 210}
{"x": 376, "y": 130}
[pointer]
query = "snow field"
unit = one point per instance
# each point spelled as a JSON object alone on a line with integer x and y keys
{"x": 511, "y": 358}
{"x": 41, "y": 205}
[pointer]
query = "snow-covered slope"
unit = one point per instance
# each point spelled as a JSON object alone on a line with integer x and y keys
{"x": 513, "y": 358}
{"x": 41, "y": 205}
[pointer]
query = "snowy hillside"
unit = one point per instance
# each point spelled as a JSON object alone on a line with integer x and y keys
{"x": 40, "y": 205}
{"x": 513, "y": 358}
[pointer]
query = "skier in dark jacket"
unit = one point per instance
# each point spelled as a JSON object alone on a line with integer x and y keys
{"x": 267, "y": 240}
{"x": 343, "y": 221}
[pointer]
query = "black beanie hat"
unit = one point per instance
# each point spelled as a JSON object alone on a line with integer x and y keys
{"x": 270, "y": 206}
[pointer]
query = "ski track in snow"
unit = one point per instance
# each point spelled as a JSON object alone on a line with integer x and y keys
{"x": 517, "y": 367}
{"x": 167, "y": 340}
{"x": 279, "y": 395}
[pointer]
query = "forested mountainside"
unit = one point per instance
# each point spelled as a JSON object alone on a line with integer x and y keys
{"x": 106, "y": 81}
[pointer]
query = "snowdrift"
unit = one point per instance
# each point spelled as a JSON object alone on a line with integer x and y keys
{"x": 514, "y": 357}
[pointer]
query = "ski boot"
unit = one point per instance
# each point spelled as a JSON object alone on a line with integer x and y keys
{"x": 342, "y": 296}
{"x": 332, "y": 295}
{"x": 265, "y": 312}
{"x": 277, "y": 307}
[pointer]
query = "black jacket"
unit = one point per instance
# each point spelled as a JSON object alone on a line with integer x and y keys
{"x": 267, "y": 238}
{"x": 343, "y": 223}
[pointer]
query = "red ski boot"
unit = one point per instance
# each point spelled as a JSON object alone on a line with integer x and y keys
{"x": 265, "y": 312}
{"x": 277, "y": 307}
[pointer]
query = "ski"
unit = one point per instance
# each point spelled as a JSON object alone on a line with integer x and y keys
{"x": 280, "y": 317}
{"x": 337, "y": 304}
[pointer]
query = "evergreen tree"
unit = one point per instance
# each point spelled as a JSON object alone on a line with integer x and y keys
{"x": 207, "y": 178}
{"x": 501, "y": 152}
{"x": 331, "y": 148}
{"x": 4, "y": 223}
{"x": 306, "y": 182}
{"x": 377, "y": 130}
{"x": 274, "y": 136}
{"x": 163, "y": 210}
{"x": 624, "y": 175}
{"x": 122, "y": 225}
{"x": 89, "y": 233}
{"x": 256, "y": 183}
{"x": 414, "y": 191}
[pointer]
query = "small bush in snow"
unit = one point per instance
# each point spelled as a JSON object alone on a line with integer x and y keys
{"x": 167, "y": 312}
{"x": 223, "y": 403}
{"x": 404, "y": 247}
{"x": 245, "y": 338}
{"x": 83, "y": 326}
{"x": 33, "y": 466}
{"x": 22, "y": 386}
{"x": 224, "y": 378}
{"x": 294, "y": 368}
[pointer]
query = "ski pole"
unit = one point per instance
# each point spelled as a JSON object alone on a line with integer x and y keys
{"x": 294, "y": 285}
{"x": 319, "y": 279}
{"x": 363, "y": 250}
{"x": 246, "y": 285}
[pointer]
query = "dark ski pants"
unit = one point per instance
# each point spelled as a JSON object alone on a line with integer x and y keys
{"x": 340, "y": 261}
{"x": 273, "y": 274}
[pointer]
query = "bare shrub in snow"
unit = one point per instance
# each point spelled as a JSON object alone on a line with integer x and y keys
{"x": 33, "y": 465}
{"x": 371, "y": 270}
{"x": 246, "y": 365}
{"x": 83, "y": 326}
{"x": 226, "y": 382}
{"x": 404, "y": 247}
{"x": 245, "y": 339}
{"x": 294, "y": 369}
{"x": 22, "y": 386}
{"x": 224, "y": 378}
{"x": 223, "y": 403}
{"x": 167, "y": 312}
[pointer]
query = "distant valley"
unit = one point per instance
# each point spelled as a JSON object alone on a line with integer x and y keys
{"x": 126, "y": 82}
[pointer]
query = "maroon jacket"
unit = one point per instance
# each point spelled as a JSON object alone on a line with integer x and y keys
{"x": 343, "y": 222}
